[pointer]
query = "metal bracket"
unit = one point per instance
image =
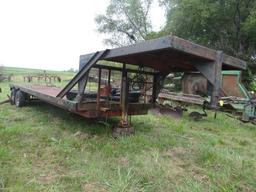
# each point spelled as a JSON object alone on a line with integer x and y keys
{"x": 212, "y": 72}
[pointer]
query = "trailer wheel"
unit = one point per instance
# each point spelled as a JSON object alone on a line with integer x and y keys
{"x": 20, "y": 99}
{"x": 13, "y": 94}
{"x": 27, "y": 97}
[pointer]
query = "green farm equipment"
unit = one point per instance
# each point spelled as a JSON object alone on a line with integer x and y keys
{"x": 234, "y": 97}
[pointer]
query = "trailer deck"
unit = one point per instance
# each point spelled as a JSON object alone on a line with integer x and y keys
{"x": 50, "y": 91}
{"x": 86, "y": 108}
{"x": 154, "y": 59}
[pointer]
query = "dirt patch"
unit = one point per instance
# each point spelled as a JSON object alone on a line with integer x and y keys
{"x": 82, "y": 135}
{"x": 199, "y": 176}
{"x": 177, "y": 154}
{"x": 174, "y": 113}
{"x": 16, "y": 119}
{"x": 178, "y": 158}
{"x": 92, "y": 187}
{"x": 178, "y": 151}
{"x": 155, "y": 111}
{"x": 46, "y": 179}
{"x": 57, "y": 120}
{"x": 124, "y": 161}
{"x": 47, "y": 176}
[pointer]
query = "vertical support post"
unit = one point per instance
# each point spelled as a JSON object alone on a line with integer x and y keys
{"x": 109, "y": 84}
{"x": 124, "y": 98}
{"x": 154, "y": 91}
{"x": 124, "y": 128}
{"x": 98, "y": 95}
{"x": 217, "y": 79}
{"x": 82, "y": 84}
{"x": 109, "y": 77}
{"x": 81, "y": 87}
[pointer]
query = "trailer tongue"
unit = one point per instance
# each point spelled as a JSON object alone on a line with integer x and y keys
{"x": 154, "y": 59}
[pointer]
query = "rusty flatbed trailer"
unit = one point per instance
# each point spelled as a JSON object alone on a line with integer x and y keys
{"x": 86, "y": 108}
{"x": 155, "y": 58}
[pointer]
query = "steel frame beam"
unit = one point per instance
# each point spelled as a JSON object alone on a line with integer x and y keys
{"x": 98, "y": 94}
{"x": 91, "y": 61}
{"x": 176, "y": 44}
{"x": 212, "y": 72}
{"x": 97, "y": 66}
{"x": 124, "y": 123}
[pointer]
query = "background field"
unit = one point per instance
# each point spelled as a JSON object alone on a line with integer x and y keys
{"x": 43, "y": 148}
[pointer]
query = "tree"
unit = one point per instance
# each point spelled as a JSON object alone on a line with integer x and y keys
{"x": 218, "y": 24}
{"x": 125, "y": 21}
{"x": 228, "y": 25}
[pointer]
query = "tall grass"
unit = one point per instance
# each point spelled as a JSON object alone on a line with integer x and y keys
{"x": 43, "y": 148}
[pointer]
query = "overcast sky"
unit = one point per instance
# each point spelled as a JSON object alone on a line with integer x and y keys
{"x": 51, "y": 34}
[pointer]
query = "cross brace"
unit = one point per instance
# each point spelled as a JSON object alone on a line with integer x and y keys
{"x": 91, "y": 61}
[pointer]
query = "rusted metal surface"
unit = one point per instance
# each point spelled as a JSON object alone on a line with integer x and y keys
{"x": 85, "y": 109}
{"x": 194, "y": 84}
{"x": 230, "y": 85}
{"x": 97, "y": 66}
{"x": 133, "y": 109}
{"x": 51, "y": 91}
{"x": 169, "y": 54}
{"x": 216, "y": 86}
{"x": 181, "y": 97}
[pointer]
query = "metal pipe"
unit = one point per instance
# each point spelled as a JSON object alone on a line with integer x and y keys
{"x": 217, "y": 80}
{"x": 98, "y": 95}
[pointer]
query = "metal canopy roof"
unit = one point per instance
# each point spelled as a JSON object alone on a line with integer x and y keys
{"x": 170, "y": 53}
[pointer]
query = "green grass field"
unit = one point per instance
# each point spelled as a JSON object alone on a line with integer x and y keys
{"x": 43, "y": 148}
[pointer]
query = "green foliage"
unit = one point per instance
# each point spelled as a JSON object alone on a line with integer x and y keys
{"x": 126, "y": 21}
{"x": 253, "y": 86}
{"x": 250, "y": 26}
{"x": 217, "y": 24}
{"x": 228, "y": 25}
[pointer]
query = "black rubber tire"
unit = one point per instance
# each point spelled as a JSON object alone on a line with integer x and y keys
{"x": 27, "y": 97}
{"x": 13, "y": 94}
{"x": 20, "y": 99}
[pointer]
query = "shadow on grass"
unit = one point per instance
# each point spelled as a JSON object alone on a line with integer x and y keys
{"x": 71, "y": 121}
